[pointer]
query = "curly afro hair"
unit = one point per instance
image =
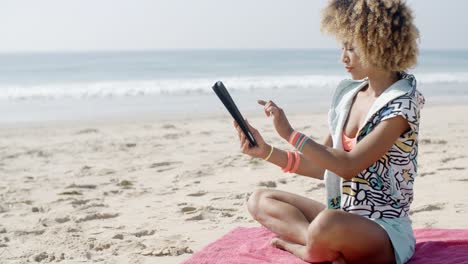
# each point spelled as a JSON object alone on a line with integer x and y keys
{"x": 382, "y": 31}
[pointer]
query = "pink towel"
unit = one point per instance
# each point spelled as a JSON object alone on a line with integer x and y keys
{"x": 440, "y": 246}
{"x": 251, "y": 245}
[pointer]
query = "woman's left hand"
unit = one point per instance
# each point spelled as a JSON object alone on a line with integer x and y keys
{"x": 260, "y": 151}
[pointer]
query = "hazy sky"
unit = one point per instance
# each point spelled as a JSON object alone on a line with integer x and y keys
{"x": 62, "y": 25}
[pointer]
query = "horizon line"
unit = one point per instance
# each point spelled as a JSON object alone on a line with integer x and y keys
{"x": 24, "y": 52}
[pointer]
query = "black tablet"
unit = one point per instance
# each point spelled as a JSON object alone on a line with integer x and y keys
{"x": 224, "y": 96}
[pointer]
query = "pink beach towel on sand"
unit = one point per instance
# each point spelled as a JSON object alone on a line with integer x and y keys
{"x": 251, "y": 245}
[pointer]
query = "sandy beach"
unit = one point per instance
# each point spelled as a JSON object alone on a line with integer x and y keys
{"x": 155, "y": 190}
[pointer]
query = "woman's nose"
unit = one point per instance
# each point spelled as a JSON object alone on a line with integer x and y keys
{"x": 344, "y": 57}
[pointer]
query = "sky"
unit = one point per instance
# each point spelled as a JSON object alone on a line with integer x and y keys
{"x": 85, "y": 25}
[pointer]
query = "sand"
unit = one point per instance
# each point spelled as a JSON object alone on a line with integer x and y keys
{"x": 154, "y": 190}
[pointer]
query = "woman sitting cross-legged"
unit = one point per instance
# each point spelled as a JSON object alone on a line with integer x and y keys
{"x": 368, "y": 159}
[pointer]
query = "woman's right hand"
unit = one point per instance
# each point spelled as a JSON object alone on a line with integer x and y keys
{"x": 280, "y": 120}
{"x": 260, "y": 151}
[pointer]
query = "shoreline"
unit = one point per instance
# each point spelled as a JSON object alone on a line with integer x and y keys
{"x": 181, "y": 116}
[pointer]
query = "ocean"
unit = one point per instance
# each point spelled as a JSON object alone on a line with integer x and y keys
{"x": 37, "y": 87}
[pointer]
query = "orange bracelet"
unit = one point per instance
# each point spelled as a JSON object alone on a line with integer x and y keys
{"x": 297, "y": 161}
{"x": 289, "y": 164}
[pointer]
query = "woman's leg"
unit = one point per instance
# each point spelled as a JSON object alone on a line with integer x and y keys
{"x": 337, "y": 235}
{"x": 286, "y": 214}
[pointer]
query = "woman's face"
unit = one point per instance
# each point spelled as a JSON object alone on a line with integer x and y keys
{"x": 352, "y": 63}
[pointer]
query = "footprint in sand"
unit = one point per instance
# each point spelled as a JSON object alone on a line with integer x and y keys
{"x": 85, "y": 171}
{"x": 73, "y": 230}
{"x": 283, "y": 181}
{"x": 460, "y": 208}
{"x": 125, "y": 184}
{"x": 81, "y": 186}
{"x": 225, "y": 212}
{"x": 143, "y": 233}
{"x": 62, "y": 220}
{"x": 100, "y": 246}
{"x": 167, "y": 251}
{"x": 433, "y": 141}
{"x": 93, "y": 205}
{"x": 451, "y": 158}
{"x": 426, "y": 173}
{"x": 12, "y": 156}
{"x": 316, "y": 187}
{"x": 169, "y": 126}
{"x": 175, "y": 135}
{"x": 428, "y": 207}
{"x": 38, "y": 153}
{"x": 118, "y": 236}
{"x": 194, "y": 213}
{"x": 451, "y": 168}
{"x": 209, "y": 212}
{"x": 128, "y": 145}
{"x": 48, "y": 257}
{"x": 197, "y": 217}
{"x": 106, "y": 172}
{"x": 87, "y": 131}
{"x": 238, "y": 196}
{"x": 188, "y": 209}
{"x": 268, "y": 184}
{"x": 163, "y": 170}
{"x": 96, "y": 216}
{"x": 197, "y": 194}
{"x": 29, "y": 179}
{"x": 26, "y": 233}
{"x": 164, "y": 165}
{"x": 76, "y": 203}
{"x": 70, "y": 193}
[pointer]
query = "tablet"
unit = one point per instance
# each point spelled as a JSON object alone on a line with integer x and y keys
{"x": 224, "y": 96}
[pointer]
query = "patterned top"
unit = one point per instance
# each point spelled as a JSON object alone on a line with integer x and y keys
{"x": 385, "y": 189}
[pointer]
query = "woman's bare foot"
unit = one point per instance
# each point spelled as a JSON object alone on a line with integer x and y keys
{"x": 295, "y": 249}
{"x": 278, "y": 243}
{"x": 298, "y": 250}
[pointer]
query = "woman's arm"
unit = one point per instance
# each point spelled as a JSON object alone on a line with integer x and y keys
{"x": 345, "y": 164}
{"x": 307, "y": 167}
{"x": 349, "y": 164}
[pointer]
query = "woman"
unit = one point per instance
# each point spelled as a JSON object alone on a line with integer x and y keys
{"x": 368, "y": 159}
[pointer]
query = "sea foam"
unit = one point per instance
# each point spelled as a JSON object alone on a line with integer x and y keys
{"x": 109, "y": 89}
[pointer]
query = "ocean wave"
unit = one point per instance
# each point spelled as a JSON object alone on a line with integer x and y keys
{"x": 109, "y": 89}
{"x": 160, "y": 87}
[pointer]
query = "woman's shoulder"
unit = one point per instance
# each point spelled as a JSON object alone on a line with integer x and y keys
{"x": 344, "y": 87}
{"x": 413, "y": 94}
